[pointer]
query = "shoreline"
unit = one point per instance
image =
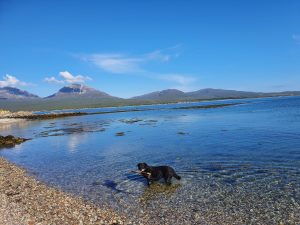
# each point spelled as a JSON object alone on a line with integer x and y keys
{"x": 150, "y": 103}
{"x": 10, "y": 117}
{"x": 25, "y": 200}
{"x": 4, "y": 121}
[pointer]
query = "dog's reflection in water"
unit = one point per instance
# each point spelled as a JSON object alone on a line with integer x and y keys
{"x": 158, "y": 190}
{"x": 112, "y": 185}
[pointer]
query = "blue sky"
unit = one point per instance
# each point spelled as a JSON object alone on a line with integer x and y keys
{"x": 128, "y": 48}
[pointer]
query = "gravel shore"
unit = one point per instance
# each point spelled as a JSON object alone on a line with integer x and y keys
{"x": 24, "y": 200}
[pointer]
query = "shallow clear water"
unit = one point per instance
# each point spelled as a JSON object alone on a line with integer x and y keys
{"x": 239, "y": 164}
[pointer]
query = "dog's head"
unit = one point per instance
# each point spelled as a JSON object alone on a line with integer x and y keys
{"x": 142, "y": 166}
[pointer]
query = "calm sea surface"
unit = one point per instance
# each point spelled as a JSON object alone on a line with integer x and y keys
{"x": 239, "y": 164}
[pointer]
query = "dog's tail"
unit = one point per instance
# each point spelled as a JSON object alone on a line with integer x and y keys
{"x": 177, "y": 176}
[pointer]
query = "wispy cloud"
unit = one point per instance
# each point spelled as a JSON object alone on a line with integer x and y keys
{"x": 53, "y": 80}
{"x": 178, "y": 78}
{"x": 115, "y": 63}
{"x": 296, "y": 38}
{"x": 67, "y": 77}
{"x": 123, "y": 64}
{"x": 180, "y": 81}
{"x": 11, "y": 81}
{"x": 119, "y": 63}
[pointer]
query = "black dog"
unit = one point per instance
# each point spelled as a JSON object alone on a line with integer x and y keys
{"x": 155, "y": 173}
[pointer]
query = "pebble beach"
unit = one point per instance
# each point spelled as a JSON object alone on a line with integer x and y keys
{"x": 24, "y": 200}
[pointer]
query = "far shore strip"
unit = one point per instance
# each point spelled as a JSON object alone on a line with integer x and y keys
{"x": 32, "y": 116}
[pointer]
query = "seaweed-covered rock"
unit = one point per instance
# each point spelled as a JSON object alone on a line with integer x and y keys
{"x": 10, "y": 141}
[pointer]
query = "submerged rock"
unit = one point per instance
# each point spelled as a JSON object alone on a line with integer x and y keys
{"x": 10, "y": 141}
{"x": 182, "y": 133}
{"x": 120, "y": 134}
{"x": 130, "y": 121}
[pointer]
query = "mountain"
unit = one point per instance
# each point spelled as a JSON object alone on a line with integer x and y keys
{"x": 206, "y": 94}
{"x": 74, "y": 96}
{"x": 78, "y": 96}
{"x": 11, "y": 93}
{"x": 79, "y": 91}
{"x": 210, "y": 93}
{"x": 164, "y": 95}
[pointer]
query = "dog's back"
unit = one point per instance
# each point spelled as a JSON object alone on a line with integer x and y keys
{"x": 167, "y": 171}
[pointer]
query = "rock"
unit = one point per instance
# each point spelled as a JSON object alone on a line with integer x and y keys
{"x": 19, "y": 114}
{"x": 181, "y": 133}
{"x": 130, "y": 121}
{"x": 10, "y": 141}
{"x": 4, "y": 113}
{"x": 120, "y": 134}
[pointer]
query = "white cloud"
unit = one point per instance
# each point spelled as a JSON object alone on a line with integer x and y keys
{"x": 158, "y": 55}
{"x": 67, "y": 77}
{"x": 11, "y": 81}
{"x": 53, "y": 80}
{"x": 296, "y": 38}
{"x": 178, "y": 78}
{"x": 164, "y": 55}
{"x": 181, "y": 81}
{"x": 124, "y": 64}
{"x": 115, "y": 63}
